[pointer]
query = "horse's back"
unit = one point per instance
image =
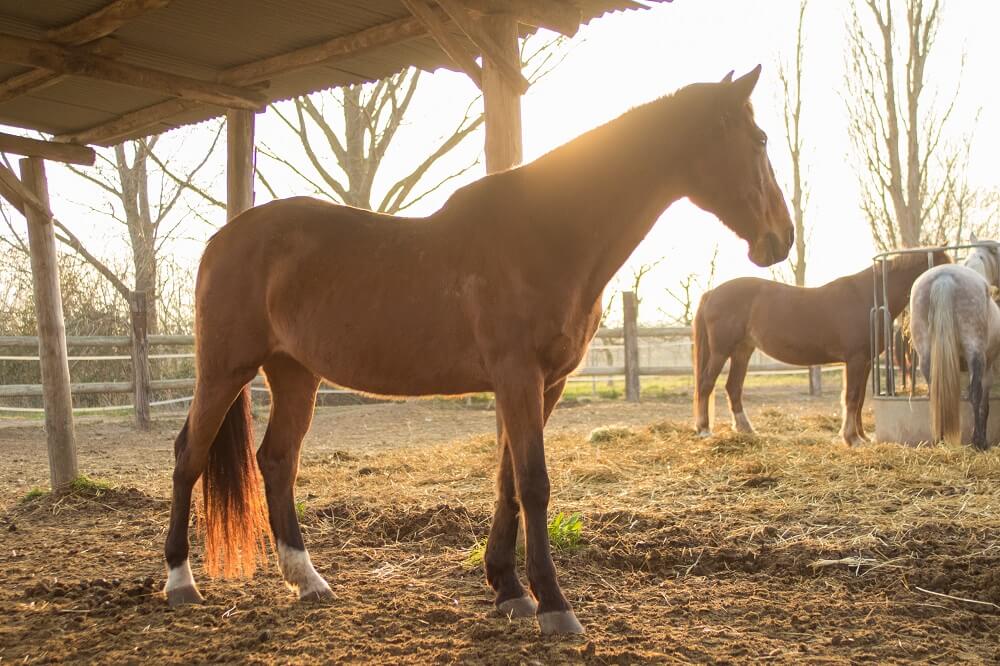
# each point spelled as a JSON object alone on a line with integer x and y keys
{"x": 361, "y": 299}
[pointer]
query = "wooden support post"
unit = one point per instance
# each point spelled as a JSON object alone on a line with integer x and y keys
{"x": 52, "y": 353}
{"x": 239, "y": 162}
{"x": 630, "y": 308}
{"x": 502, "y": 104}
{"x": 815, "y": 380}
{"x": 140, "y": 357}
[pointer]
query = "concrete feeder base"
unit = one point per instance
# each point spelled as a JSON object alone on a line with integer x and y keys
{"x": 906, "y": 420}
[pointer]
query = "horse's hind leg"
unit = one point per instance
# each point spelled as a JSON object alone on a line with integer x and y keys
{"x": 705, "y": 387}
{"x": 979, "y": 397}
{"x": 293, "y": 396}
{"x": 212, "y": 399}
{"x": 511, "y": 599}
{"x": 739, "y": 363}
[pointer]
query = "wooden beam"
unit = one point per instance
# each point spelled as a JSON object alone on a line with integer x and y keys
{"x": 103, "y": 22}
{"x": 50, "y": 150}
{"x": 23, "y": 198}
{"x": 338, "y": 47}
{"x": 11, "y": 196}
{"x": 239, "y": 162}
{"x": 501, "y": 103}
{"x": 52, "y": 353}
{"x": 93, "y": 27}
{"x": 489, "y": 48}
{"x": 560, "y": 17}
{"x": 146, "y": 119}
{"x": 38, "y": 79}
{"x": 45, "y": 55}
{"x": 455, "y": 50}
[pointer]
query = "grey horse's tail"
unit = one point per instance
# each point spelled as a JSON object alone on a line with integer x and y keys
{"x": 945, "y": 387}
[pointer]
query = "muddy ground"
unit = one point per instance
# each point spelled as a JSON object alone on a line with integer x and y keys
{"x": 786, "y": 547}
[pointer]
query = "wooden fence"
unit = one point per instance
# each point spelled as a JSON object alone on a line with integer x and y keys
{"x": 142, "y": 385}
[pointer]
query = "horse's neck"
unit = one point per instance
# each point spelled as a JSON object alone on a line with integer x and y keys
{"x": 595, "y": 202}
{"x": 899, "y": 288}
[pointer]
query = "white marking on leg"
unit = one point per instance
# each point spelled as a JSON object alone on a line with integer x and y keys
{"x": 741, "y": 423}
{"x": 298, "y": 572}
{"x": 179, "y": 577}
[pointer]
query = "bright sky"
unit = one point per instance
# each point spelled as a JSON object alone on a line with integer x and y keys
{"x": 625, "y": 59}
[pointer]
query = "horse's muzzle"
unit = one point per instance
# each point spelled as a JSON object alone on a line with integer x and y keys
{"x": 770, "y": 249}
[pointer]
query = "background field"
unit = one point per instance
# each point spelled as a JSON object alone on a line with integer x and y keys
{"x": 787, "y": 547}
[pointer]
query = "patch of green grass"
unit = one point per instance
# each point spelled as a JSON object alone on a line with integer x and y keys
{"x": 33, "y": 494}
{"x": 84, "y": 485}
{"x": 300, "y": 510}
{"x": 474, "y": 558}
{"x": 565, "y": 534}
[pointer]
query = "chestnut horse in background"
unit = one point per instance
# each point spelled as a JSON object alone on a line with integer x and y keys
{"x": 796, "y": 325}
{"x": 500, "y": 290}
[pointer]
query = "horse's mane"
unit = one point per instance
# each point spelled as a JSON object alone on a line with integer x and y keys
{"x": 683, "y": 112}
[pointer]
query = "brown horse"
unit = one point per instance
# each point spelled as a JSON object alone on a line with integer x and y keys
{"x": 796, "y": 325}
{"x": 500, "y": 291}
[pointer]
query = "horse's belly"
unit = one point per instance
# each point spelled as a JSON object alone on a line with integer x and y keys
{"x": 399, "y": 369}
{"x": 798, "y": 352}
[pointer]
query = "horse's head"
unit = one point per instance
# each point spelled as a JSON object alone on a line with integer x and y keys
{"x": 985, "y": 260}
{"x": 732, "y": 176}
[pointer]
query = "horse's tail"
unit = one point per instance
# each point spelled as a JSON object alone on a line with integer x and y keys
{"x": 700, "y": 356}
{"x": 945, "y": 388}
{"x": 235, "y": 518}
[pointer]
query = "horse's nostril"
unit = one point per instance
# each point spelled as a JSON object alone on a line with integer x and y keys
{"x": 774, "y": 246}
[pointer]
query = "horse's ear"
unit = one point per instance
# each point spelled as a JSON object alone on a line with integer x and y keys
{"x": 728, "y": 78}
{"x": 973, "y": 238}
{"x": 743, "y": 86}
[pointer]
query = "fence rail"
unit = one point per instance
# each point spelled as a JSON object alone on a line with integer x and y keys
{"x": 136, "y": 348}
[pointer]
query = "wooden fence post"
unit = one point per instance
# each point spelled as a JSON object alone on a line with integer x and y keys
{"x": 52, "y": 354}
{"x": 815, "y": 380}
{"x": 140, "y": 358}
{"x": 630, "y": 307}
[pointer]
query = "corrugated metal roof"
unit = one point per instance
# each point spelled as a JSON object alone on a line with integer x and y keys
{"x": 200, "y": 39}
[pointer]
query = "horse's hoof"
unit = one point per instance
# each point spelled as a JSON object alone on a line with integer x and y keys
{"x": 319, "y": 595}
{"x": 516, "y": 608}
{"x": 742, "y": 424}
{"x": 704, "y": 434}
{"x": 184, "y": 595}
{"x": 559, "y": 622}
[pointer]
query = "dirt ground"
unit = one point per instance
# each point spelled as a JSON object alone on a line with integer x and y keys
{"x": 787, "y": 547}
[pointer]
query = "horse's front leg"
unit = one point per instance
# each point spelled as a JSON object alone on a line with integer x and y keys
{"x": 500, "y": 559}
{"x": 855, "y": 378}
{"x": 521, "y": 402}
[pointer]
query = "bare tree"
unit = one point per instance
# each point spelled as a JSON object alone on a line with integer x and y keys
{"x": 690, "y": 289}
{"x": 142, "y": 204}
{"x": 791, "y": 87}
{"x": 904, "y": 163}
{"x": 345, "y": 149}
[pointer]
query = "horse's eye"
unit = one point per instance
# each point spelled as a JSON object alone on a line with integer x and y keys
{"x": 762, "y": 139}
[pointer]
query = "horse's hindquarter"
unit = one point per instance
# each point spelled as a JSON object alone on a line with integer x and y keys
{"x": 370, "y": 303}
